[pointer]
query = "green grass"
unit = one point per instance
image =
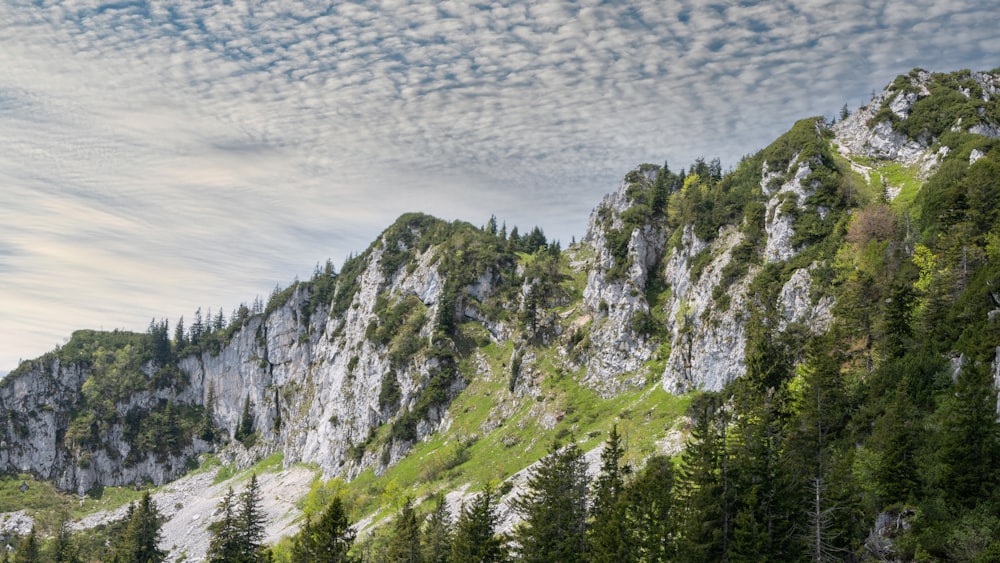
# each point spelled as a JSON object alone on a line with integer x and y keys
{"x": 905, "y": 178}
{"x": 270, "y": 464}
{"x": 470, "y": 454}
{"x": 894, "y": 174}
{"x": 48, "y": 505}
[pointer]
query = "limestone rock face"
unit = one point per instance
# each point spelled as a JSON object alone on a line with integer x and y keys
{"x": 618, "y": 350}
{"x": 702, "y": 346}
{"x": 706, "y": 350}
{"x": 780, "y": 220}
{"x": 37, "y": 403}
{"x": 314, "y": 383}
{"x": 311, "y": 379}
{"x": 857, "y": 134}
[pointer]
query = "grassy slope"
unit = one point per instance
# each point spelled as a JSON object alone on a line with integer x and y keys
{"x": 494, "y": 433}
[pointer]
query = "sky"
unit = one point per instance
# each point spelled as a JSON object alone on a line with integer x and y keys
{"x": 157, "y": 157}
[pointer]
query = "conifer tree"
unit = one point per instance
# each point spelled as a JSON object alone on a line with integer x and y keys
{"x": 197, "y": 328}
{"x": 438, "y": 530}
{"x": 608, "y": 530}
{"x": 475, "y": 539}
{"x": 404, "y": 544}
{"x": 27, "y": 550}
{"x": 969, "y": 440}
{"x": 764, "y": 514}
{"x": 705, "y": 483}
{"x": 64, "y": 549}
{"x": 327, "y": 540}
{"x": 554, "y": 509}
{"x": 251, "y": 519}
{"x": 180, "y": 339}
{"x": 245, "y": 429}
{"x": 224, "y": 545}
{"x": 651, "y": 513}
{"x": 819, "y": 404}
{"x": 206, "y": 429}
{"x": 238, "y": 536}
{"x": 141, "y": 539}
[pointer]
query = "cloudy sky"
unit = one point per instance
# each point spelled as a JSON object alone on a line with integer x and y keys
{"x": 160, "y": 156}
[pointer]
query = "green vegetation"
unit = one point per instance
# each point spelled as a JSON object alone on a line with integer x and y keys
{"x": 44, "y": 502}
{"x": 238, "y": 535}
{"x": 469, "y": 454}
{"x": 951, "y": 99}
{"x": 890, "y": 413}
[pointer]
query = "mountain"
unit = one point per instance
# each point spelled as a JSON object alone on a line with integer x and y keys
{"x": 856, "y": 260}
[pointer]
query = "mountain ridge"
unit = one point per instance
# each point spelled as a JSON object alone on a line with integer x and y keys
{"x": 679, "y": 283}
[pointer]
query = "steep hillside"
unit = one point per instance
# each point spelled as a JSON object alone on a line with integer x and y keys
{"x": 828, "y": 299}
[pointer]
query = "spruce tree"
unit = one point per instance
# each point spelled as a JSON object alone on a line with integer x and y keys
{"x": 180, "y": 338}
{"x": 140, "y": 542}
{"x": 969, "y": 438}
{"x": 651, "y": 513}
{"x": 608, "y": 530}
{"x": 404, "y": 543}
{"x": 327, "y": 540}
{"x": 554, "y": 509}
{"x": 251, "y": 519}
{"x": 438, "y": 530}
{"x": 810, "y": 451}
{"x": 705, "y": 483}
{"x": 764, "y": 515}
{"x": 475, "y": 539}
{"x": 238, "y": 536}
{"x": 245, "y": 429}
{"x": 27, "y": 550}
{"x": 63, "y": 548}
{"x": 206, "y": 427}
{"x": 224, "y": 545}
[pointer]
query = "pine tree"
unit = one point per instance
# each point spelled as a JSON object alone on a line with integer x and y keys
{"x": 404, "y": 543}
{"x": 608, "y": 531}
{"x": 327, "y": 540}
{"x": 475, "y": 539}
{"x": 554, "y": 509}
{"x": 437, "y": 530}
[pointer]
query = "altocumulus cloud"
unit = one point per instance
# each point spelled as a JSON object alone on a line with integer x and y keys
{"x": 160, "y": 156}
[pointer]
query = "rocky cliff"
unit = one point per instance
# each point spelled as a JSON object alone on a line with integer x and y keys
{"x": 679, "y": 273}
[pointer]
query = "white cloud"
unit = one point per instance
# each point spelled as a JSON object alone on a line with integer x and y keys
{"x": 157, "y": 157}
